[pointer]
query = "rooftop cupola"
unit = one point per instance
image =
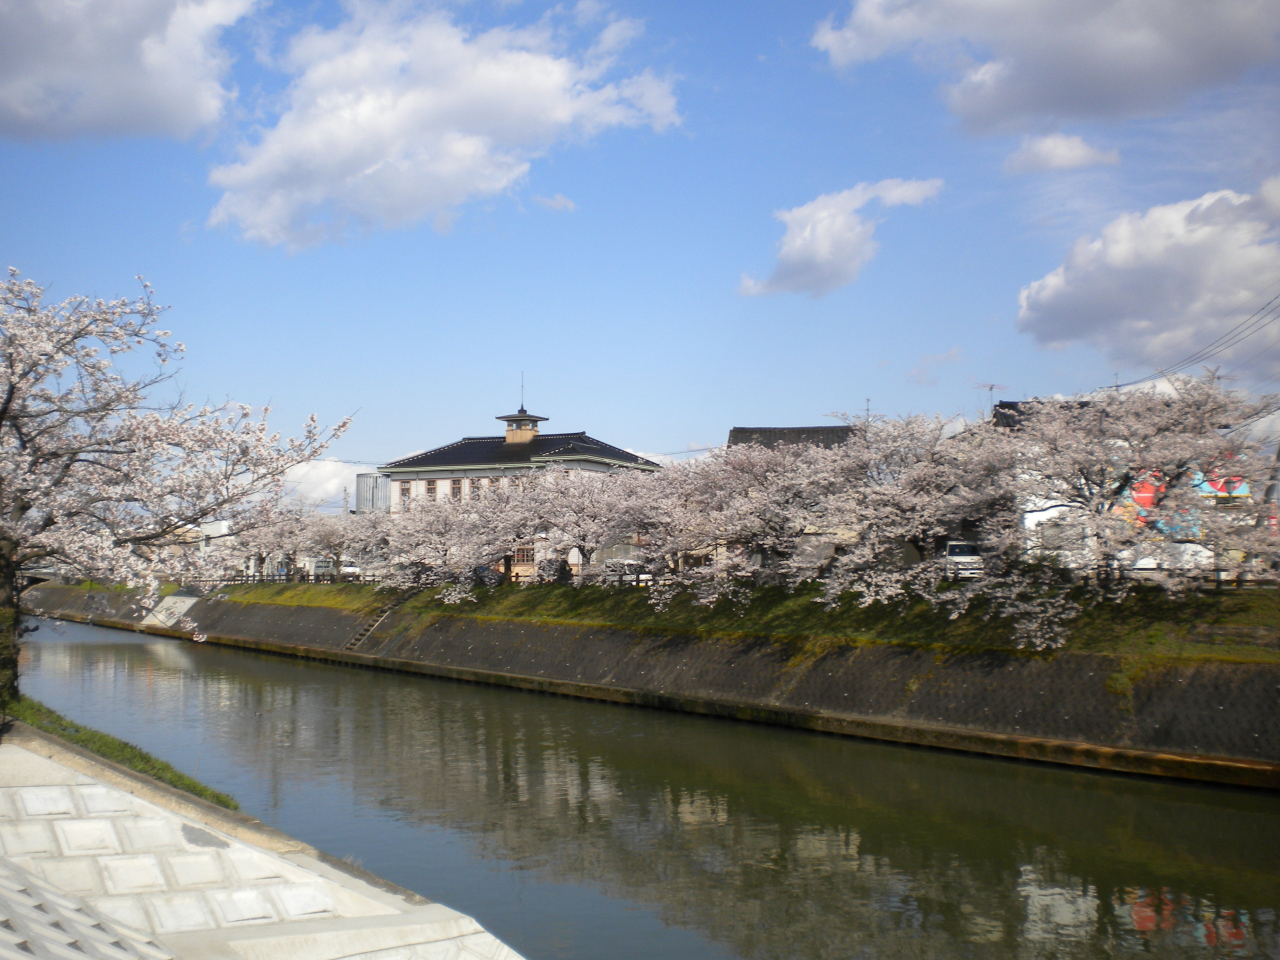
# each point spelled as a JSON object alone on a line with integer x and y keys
{"x": 522, "y": 426}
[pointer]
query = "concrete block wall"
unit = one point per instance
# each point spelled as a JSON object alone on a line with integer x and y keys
{"x": 1216, "y": 721}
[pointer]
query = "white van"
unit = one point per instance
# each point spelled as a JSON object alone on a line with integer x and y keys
{"x": 964, "y": 560}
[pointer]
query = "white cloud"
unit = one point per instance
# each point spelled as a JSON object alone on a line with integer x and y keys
{"x": 1024, "y": 61}
{"x": 1057, "y": 151}
{"x": 323, "y": 481}
{"x": 697, "y": 450}
{"x": 826, "y": 243}
{"x": 558, "y": 202}
{"x": 923, "y": 371}
{"x": 73, "y": 67}
{"x": 1155, "y": 287}
{"x": 394, "y": 119}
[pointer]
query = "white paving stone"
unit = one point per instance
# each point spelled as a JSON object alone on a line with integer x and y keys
{"x": 303, "y": 901}
{"x": 46, "y": 802}
{"x": 28, "y": 839}
{"x": 242, "y": 906}
{"x": 126, "y": 910}
{"x": 38, "y": 920}
{"x": 102, "y": 801}
{"x": 77, "y": 875}
{"x": 86, "y": 838}
{"x": 179, "y": 913}
{"x": 196, "y": 869}
{"x": 169, "y": 611}
{"x": 131, "y": 875}
{"x": 254, "y": 867}
{"x": 149, "y": 834}
{"x": 195, "y": 889}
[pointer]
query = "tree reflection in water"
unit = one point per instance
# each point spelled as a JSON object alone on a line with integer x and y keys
{"x": 764, "y": 843}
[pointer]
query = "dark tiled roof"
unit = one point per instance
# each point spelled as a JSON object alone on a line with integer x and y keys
{"x": 777, "y": 436}
{"x": 546, "y": 447}
{"x": 1007, "y": 413}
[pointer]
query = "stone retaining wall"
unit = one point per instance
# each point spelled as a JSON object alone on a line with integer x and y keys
{"x": 1212, "y": 721}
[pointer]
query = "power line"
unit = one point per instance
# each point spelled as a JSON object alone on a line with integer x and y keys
{"x": 1257, "y": 321}
{"x": 679, "y": 453}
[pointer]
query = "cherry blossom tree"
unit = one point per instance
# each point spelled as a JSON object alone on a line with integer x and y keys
{"x": 274, "y": 548}
{"x": 577, "y": 510}
{"x": 1069, "y": 502}
{"x": 730, "y": 521}
{"x": 98, "y": 477}
{"x": 1164, "y": 486}
{"x": 893, "y": 494}
{"x": 433, "y": 542}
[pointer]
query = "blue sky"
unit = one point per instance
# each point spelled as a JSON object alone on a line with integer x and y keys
{"x": 672, "y": 218}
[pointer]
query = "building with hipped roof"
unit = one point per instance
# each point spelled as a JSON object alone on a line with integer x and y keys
{"x": 466, "y": 468}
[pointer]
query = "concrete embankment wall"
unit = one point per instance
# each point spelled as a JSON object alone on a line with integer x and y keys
{"x": 1209, "y": 721}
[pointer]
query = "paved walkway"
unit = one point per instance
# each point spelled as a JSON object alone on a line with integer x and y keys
{"x": 98, "y": 862}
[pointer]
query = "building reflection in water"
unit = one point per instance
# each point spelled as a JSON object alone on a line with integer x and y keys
{"x": 770, "y": 843}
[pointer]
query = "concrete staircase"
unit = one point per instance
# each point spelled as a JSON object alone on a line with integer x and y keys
{"x": 374, "y": 622}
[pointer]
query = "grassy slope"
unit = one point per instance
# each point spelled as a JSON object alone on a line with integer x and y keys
{"x": 166, "y": 589}
{"x": 1231, "y": 626}
{"x": 360, "y": 598}
{"x": 37, "y": 715}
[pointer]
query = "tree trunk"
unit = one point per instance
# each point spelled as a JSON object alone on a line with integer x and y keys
{"x": 10, "y": 619}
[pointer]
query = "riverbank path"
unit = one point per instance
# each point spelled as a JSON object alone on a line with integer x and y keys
{"x": 98, "y": 862}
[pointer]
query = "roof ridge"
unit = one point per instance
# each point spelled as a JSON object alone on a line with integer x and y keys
{"x": 544, "y": 448}
{"x": 414, "y": 456}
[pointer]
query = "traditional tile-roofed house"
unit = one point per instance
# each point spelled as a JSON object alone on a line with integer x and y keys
{"x": 777, "y": 436}
{"x": 465, "y": 468}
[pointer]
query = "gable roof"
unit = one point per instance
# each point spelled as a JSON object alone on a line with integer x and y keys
{"x": 543, "y": 449}
{"x": 777, "y": 436}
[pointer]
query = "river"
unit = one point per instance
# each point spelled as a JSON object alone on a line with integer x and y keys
{"x": 574, "y": 829}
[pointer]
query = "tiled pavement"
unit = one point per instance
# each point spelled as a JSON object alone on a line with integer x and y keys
{"x": 115, "y": 869}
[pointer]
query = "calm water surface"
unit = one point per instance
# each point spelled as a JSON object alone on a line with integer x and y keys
{"x": 582, "y": 830}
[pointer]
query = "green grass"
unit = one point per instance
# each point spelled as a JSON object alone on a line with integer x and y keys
{"x": 1149, "y": 628}
{"x": 1242, "y": 626}
{"x": 108, "y": 587}
{"x": 358, "y": 597}
{"x": 166, "y": 589}
{"x": 37, "y": 715}
{"x": 771, "y": 611}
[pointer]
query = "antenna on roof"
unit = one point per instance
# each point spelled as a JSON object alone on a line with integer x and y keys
{"x": 991, "y": 389}
{"x": 521, "y": 389}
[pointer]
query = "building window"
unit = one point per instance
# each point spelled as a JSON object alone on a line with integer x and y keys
{"x": 431, "y": 491}
{"x": 475, "y": 487}
{"x": 455, "y": 489}
{"x": 406, "y": 490}
{"x": 524, "y": 555}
